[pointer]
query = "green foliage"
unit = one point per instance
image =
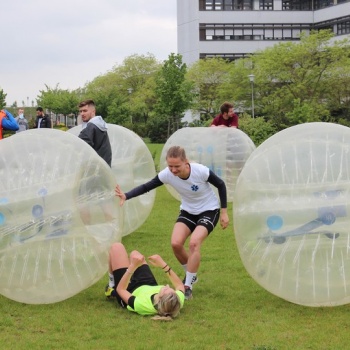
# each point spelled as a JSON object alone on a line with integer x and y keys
{"x": 59, "y": 101}
{"x": 61, "y": 127}
{"x": 2, "y": 99}
{"x": 125, "y": 95}
{"x": 173, "y": 92}
{"x": 297, "y": 82}
{"x": 208, "y": 78}
{"x": 257, "y": 129}
{"x": 306, "y": 112}
{"x": 158, "y": 129}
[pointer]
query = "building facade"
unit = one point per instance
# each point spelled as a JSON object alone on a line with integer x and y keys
{"x": 233, "y": 29}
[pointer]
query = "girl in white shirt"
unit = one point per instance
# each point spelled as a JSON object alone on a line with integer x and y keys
{"x": 199, "y": 209}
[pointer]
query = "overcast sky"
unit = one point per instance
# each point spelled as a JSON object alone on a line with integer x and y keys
{"x": 71, "y": 42}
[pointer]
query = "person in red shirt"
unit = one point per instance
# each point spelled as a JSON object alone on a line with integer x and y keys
{"x": 227, "y": 117}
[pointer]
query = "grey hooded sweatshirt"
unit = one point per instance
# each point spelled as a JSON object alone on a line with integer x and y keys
{"x": 95, "y": 134}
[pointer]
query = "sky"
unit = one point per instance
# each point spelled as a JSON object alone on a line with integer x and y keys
{"x": 69, "y": 43}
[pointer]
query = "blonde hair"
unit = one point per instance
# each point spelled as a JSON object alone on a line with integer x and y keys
{"x": 176, "y": 152}
{"x": 168, "y": 307}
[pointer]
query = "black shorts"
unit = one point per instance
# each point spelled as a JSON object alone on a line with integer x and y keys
{"x": 208, "y": 219}
{"x": 142, "y": 276}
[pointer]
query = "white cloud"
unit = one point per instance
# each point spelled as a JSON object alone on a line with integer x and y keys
{"x": 71, "y": 42}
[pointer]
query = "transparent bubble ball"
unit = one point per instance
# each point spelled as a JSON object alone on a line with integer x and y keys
{"x": 58, "y": 216}
{"x": 291, "y": 214}
{"x": 223, "y": 150}
{"x": 132, "y": 165}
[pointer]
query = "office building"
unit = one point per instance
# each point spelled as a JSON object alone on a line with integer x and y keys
{"x": 233, "y": 29}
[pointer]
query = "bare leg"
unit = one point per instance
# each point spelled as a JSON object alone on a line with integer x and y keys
{"x": 178, "y": 239}
{"x": 198, "y": 236}
{"x": 85, "y": 215}
{"x": 118, "y": 257}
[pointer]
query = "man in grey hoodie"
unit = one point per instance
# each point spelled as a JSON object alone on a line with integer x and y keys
{"x": 94, "y": 130}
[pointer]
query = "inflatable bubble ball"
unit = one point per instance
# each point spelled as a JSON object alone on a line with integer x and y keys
{"x": 58, "y": 216}
{"x": 223, "y": 150}
{"x": 291, "y": 214}
{"x": 132, "y": 165}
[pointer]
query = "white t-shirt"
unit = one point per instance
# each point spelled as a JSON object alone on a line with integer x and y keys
{"x": 196, "y": 193}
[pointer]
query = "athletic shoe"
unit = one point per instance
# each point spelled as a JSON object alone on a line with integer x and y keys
{"x": 188, "y": 293}
{"x": 195, "y": 280}
{"x": 109, "y": 292}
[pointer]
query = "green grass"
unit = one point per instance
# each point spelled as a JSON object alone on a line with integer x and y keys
{"x": 156, "y": 151}
{"x": 229, "y": 310}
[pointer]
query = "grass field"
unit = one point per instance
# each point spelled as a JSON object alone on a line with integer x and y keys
{"x": 228, "y": 311}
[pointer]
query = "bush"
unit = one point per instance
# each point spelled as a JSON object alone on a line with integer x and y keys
{"x": 258, "y": 129}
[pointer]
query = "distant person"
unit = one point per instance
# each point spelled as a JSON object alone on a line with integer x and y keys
{"x": 133, "y": 284}
{"x": 227, "y": 117}
{"x": 199, "y": 209}
{"x": 42, "y": 120}
{"x": 94, "y": 131}
{"x": 7, "y": 122}
{"x": 21, "y": 121}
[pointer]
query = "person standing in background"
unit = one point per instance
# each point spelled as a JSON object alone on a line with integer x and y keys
{"x": 42, "y": 120}
{"x": 94, "y": 131}
{"x": 22, "y": 122}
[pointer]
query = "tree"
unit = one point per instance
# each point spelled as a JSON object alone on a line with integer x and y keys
{"x": 59, "y": 101}
{"x": 2, "y": 98}
{"x": 302, "y": 79}
{"x": 173, "y": 92}
{"x": 208, "y": 77}
{"x": 125, "y": 95}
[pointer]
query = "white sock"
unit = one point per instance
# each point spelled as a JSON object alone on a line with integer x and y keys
{"x": 184, "y": 266}
{"x": 111, "y": 280}
{"x": 190, "y": 277}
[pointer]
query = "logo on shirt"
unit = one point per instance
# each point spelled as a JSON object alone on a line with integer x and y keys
{"x": 194, "y": 188}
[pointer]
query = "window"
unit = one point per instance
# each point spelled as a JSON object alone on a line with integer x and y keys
{"x": 226, "y": 56}
{"x": 343, "y": 28}
{"x": 297, "y": 5}
{"x": 226, "y": 5}
{"x": 320, "y": 4}
{"x": 266, "y": 4}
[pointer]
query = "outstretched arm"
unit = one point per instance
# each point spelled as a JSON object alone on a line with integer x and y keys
{"x": 157, "y": 260}
{"x": 9, "y": 122}
{"x": 137, "y": 191}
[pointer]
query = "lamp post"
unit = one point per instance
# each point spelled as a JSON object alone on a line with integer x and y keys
{"x": 130, "y": 90}
{"x": 251, "y": 79}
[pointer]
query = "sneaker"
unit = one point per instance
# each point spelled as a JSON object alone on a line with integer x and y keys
{"x": 195, "y": 280}
{"x": 109, "y": 291}
{"x": 188, "y": 293}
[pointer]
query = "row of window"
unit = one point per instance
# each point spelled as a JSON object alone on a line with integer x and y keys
{"x": 227, "y": 56}
{"x": 248, "y": 5}
{"x": 252, "y": 31}
{"x": 219, "y": 32}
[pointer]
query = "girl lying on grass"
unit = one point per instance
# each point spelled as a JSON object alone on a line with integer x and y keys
{"x": 133, "y": 284}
